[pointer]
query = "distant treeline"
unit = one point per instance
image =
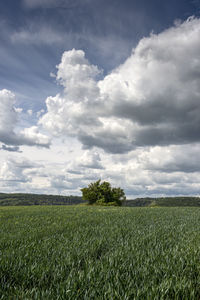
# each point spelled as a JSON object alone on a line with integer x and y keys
{"x": 165, "y": 201}
{"x": 35, "y": 199}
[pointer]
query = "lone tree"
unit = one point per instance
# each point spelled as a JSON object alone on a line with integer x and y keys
{"x": 103, "y": 194}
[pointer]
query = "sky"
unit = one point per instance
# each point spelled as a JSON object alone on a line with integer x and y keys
{"x": 100, "y": 89}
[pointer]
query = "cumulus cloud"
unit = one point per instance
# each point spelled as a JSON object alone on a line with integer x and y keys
{"x": 157, "y": 171}
{"x": 14, "y": 170}
{"x": 20, "y": 174}
{"x": 8, "y": 113}
{"x": 146, "y": 113}
{"x": 64, "y": 183}
{"x": 151, "y": 99}
{"x": 32, "y": 137}
{"x": 91, "y": 160}
{"x": 9, "y": 135}
{"x": 67, "y": 114}
{"x": 87, "y": 166}
{"x": 184, "y": 159}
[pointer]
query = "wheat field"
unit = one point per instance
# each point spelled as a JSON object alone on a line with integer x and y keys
{"x": 62, "y": 252}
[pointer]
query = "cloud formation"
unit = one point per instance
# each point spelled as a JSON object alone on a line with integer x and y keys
{"x": 10, "y": 148}
{"x": 153, "y": 171}
{"x": 151, "y": 99}
{"x": 9, "y": 135}
{"x": 91, "y": 160}
{"x": 138, "y": 125}
{"x": 32, "y": 4}
{"x": 185, "y": 159}
{"x": 38, "y": 35}
{"x": 14, "y": 170}
{"x": 41, "y": 3}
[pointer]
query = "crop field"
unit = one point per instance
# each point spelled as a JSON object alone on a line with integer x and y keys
{"x": 62, "y": 252}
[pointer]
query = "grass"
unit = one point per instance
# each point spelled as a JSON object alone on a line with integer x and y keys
{"x": 62, "y": 252}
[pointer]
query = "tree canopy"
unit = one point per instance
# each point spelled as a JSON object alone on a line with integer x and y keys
{"x": 103, "y": 194}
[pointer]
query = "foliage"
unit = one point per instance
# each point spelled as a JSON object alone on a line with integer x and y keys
{"x": 164, "y": 201}
{"x": 36, "y": 199}
{"x": 17, "y": 199}
{"x": 72, "y": 252}
{"x": 103, "y": 194}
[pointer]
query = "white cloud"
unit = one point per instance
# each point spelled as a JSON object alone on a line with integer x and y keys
{"x": 89, "y": 159}
{"x": 77, "y": 76}
{"x": 38, "y": 35}
{"x": 19, "y": 174}
{"x": 14, "y": 170}
{"x": 9, "y": 132}
{"x": 32, "y": 136}
{"x": 184, "y": 159}
{"x": 144, "y": 172}
{"x": 66, "y": 113}
{"x": 151, "y": 99}
{"x": 8, "y": 114}
{"x": 139, "y": 125}
{"x": 29, "y": 112}
{"x": 39, "y": 113}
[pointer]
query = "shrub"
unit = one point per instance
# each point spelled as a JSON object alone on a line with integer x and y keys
{"x": 103, "y": 194}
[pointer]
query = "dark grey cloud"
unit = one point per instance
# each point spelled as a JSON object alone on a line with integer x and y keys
{"x": 109, "y": 142}
{"x": 11, "y": 148}
{"x": 75, "y": 172}
{"x": 151, "y": 99}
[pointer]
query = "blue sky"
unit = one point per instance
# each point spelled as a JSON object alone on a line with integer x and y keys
{"x": 99, "y": 126}
{"x": 106, "y": 30}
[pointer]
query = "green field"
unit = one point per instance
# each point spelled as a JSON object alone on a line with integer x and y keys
{"x": 74, "y": 252}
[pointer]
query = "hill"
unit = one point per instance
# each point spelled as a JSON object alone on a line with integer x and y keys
{"x": 165, "y": 201}
{"x": 17, "y": 199}
{"x": 35, "y": 199}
